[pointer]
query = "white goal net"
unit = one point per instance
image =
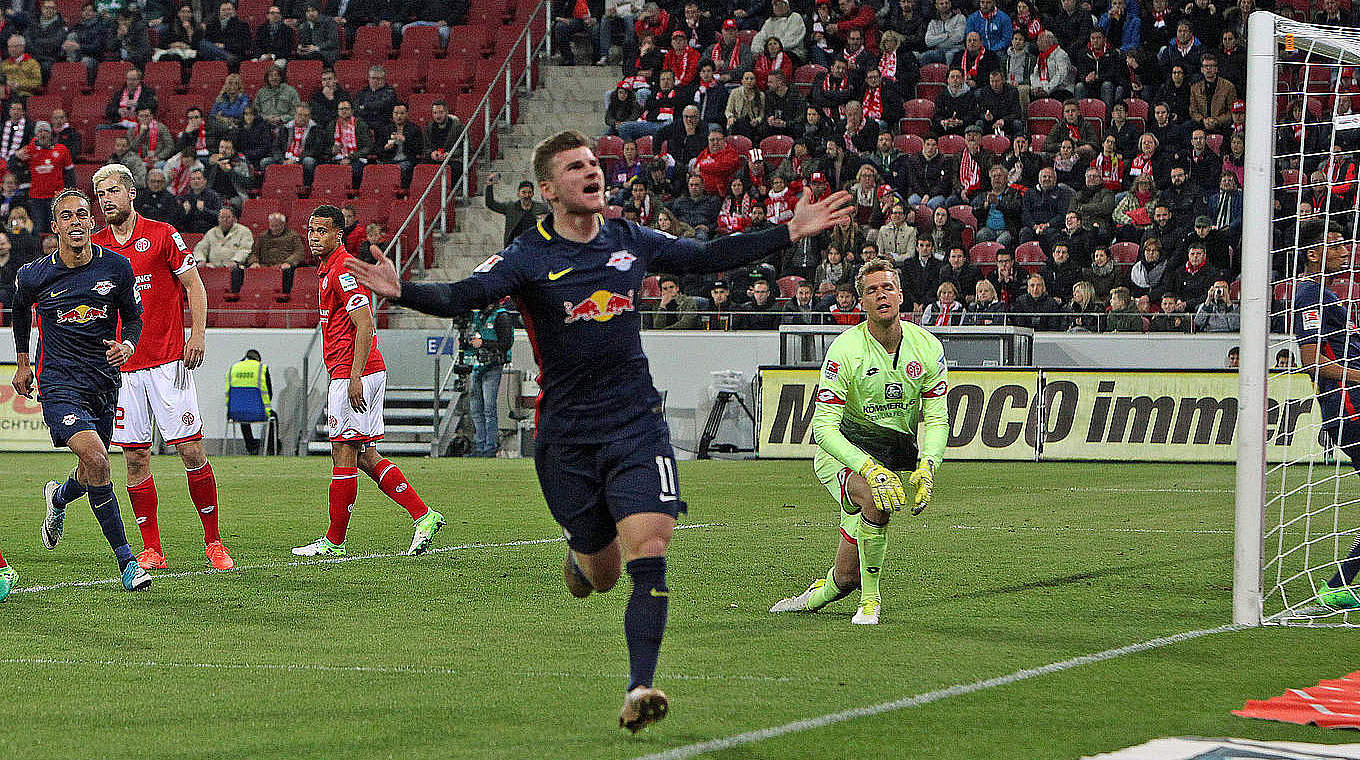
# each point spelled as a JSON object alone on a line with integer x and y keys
{"x": 1298, "y": 495}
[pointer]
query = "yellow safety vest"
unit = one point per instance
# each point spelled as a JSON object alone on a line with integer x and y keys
{"x": 249, "y": 373}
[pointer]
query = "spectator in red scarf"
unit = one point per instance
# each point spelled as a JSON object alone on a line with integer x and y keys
{"x": 717, "y": 163}
{"x": 682, "y": 59}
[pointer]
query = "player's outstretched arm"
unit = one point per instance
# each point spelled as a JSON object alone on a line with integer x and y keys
{"x": 440, "y": 299}
{"x": 684, "y": 256}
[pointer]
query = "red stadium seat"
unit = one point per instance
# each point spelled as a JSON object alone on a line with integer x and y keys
{"x": 984, "y": 254}
{"x": 352, "y": 73}
{"x": 255, "y": 212}
{"x": 805, "y": 75}
{"x": 964, "y": 214}
{"x": 740, "y": 143}
{"x": 253, "y": 74}
{"x": 1043, "y": 114}
{"x": 380, "y": 181}
{"x": 1284, "y": 291}
{"x": 918, "y": 117}
{"x": 174, "y": 107}
{"x": 1030, "y": 253}
{"x": 609, "y": 147}
{"x": 40, "y": 107}
{"x": 111, "y": 76}
{"x": 1124, "y": 253}
{"x": 925, "y": 218}
{"x": 997, "y": 145}
{"x": 651, "y": 286}
{"x": 332, "y": 180}
{"x": 421, "y": 42}
{"x": 68, "y": 80}
{"x": 1138, "y": 113}
{"x": 421, "y": 178}
{"x": 934, "y": 72}
{"x": 952, "y": 145}
{"x": 406, "y": 75}
{"x": 470, "y": 42}
{"x": 85, "y": 177}
{"x": 909, "y": 144}
{"x": 305, "y": 76}
{"x": 165, "y": 76}
{"x": 282, "y": 181}
{"x": 372, "y": 44}
{"x": 644, "y": 146}
{"x": 788, "y": 285}
{"x": 420, "y": 106}
{"x": 1093, "y": 112}
{"x": 450, "y": 77}
{"x": 253, "y": 12}
{"x": 207, "y": 77}
{"x": 1215, "y": 141}
{"x": 776, "y": 148}
{"x": 1036, "y": 143}
{"x": 237, "y": 317}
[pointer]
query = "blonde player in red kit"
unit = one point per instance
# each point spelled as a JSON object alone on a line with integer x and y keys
{"x": 158, "y": 386}
{"x": 354, "y": 402}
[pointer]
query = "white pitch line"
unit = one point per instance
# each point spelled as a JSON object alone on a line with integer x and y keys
{"x": 1044, "y": 529}
{"x": 958, "y": 690}
{"x": 1090, "y": 489}
{"x": 307, "y": 562}
{"x": 378, "y": 669}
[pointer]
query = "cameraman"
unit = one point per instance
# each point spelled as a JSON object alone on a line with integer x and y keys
{"x": 489, "y": 339}
{"x": 1218, "y": 313}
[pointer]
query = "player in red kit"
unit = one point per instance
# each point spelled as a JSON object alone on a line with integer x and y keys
{"x": 48, "y": 163}
{"x": 354, "y": 403}
{"x": 158, "y": 386}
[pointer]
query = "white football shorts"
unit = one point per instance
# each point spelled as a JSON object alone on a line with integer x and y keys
{"x": 345, "y": 425}
{"x": 164, "y": 395}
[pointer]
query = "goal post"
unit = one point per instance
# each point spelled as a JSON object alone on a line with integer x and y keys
{"x": 1296, "y": 510}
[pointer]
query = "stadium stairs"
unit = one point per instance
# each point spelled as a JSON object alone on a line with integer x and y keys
{"x": 407, "y": 423}
{"x": 572, "y": 97}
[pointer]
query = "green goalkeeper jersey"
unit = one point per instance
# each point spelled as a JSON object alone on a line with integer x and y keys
{"x": 888, "y": 406}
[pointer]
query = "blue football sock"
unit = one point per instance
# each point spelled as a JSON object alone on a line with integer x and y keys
{"x": 1349, "y": 566}
{"x": 644, "y": 621}
{"x": 105, "y": 506}
{"x": 69, "y": 491}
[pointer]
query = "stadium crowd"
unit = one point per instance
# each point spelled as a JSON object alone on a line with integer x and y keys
{"x": 1065, "y": 165}
{"x": 200, "y": 100}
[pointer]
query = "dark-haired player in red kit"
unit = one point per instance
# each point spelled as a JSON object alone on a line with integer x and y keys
{"x": 158, "y": 385}
{"x": 354, "y": 401}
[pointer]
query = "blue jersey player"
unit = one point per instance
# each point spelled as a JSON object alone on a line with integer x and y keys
{"x": 80, "y": 295}
{"x": 603, "y": 451}
{"x": 1329, "y": 347}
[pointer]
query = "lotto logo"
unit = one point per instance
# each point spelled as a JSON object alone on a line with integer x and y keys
{"x": 828, "y": 396}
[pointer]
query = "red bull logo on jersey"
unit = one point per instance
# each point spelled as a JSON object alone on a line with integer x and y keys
{"x": 601, "y": 306}
{"x": 82, "y": 314}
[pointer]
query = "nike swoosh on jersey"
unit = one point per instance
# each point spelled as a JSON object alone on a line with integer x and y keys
{"x": 559, "y": 275}
{"x": 56, "y": 293}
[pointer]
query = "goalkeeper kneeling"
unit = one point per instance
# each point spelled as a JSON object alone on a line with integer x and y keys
{"x": 881, "y": 423}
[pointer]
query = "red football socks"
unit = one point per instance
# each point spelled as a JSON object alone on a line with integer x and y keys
{"x": 203, "y": 491}
{"x": 143, "y": 499}
{"x": 390, "y": 479}
{"x": 3, "y": 563}
{"x": 344, "y": 489}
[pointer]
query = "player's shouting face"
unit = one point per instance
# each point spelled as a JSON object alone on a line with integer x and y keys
{"x": 882, "y": 297}
{"x": 115, "y": 199}
{"x": 72, "y": 222}
{"x": 577, "y": 182}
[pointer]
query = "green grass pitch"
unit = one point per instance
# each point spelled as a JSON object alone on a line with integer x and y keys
{"x": 478, "y": 652}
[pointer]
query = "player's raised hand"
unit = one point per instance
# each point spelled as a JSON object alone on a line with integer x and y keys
{"x": 381, "y": 277}
{"x": 117, "y": 353}
{"x": 356, "y": 395}
{"x": 194, "y": 351}
{"x": 812, "y": 218}
{"x": 23, "y": 381}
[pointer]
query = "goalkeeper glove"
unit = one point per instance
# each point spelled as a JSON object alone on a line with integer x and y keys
{"x": 889, "y": 495}
{"x": 924, "y": 482}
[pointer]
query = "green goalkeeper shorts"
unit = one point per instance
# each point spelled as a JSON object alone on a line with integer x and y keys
{"x": 834, "y": 476}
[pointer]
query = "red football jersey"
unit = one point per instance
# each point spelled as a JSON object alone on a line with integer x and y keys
{"x": 158, "y": 255}
{"x": 48, "y": 167}
{"x": 340, "y": 294}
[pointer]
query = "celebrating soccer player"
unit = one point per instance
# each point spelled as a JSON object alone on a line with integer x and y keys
{"x": 158, "y": 382}
{"x": 354, "y": 404}
{"x": 1329, "y": 348}
{"x": 81, "y": 292}
{"x": 603, "y": 451}
{"x": 881, "y": 410}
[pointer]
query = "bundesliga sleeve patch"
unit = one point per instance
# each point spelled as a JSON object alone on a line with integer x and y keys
{"x": 347, "y": 281}
{"x": 832, "y": 370}
{"x": 938, "y": 390}
{"x": 179, "y": 241}
{"x": 356, "y": 301}
{"x": 828, "y": 396}
{"x": 491, "y": 261}
{"x": 1312, "y": 320}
